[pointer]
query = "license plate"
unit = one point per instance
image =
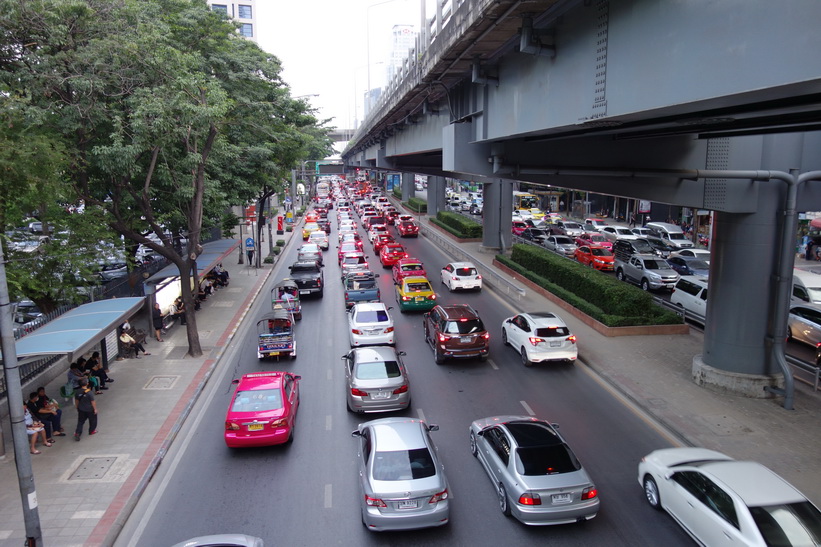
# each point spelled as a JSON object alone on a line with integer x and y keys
{"x": 255, "y": 427}
{"x": 381, "y": 395}
{"x": 407, "y": 504}
{"x": 420, "y": 298}
{"x": 561, "y": 498}
{"x": 466, "y": 339}
{"x": 555, "y": 344}
{"x": 304, "y": 292}
{"x": 274, "y": 353}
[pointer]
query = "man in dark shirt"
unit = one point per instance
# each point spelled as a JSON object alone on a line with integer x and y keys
{"x": 86, "y": 409}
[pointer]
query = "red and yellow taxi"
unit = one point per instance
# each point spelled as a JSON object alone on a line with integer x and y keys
{"x": 595, "y": 256}
{"x": 308, "y": 228}
{"x": 262, "y": 410}
{"x": 407, "y": 267}
{"x": 391, "y": 253}
{"x": 415, "y": 293}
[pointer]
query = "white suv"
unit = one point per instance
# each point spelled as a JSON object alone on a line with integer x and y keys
{"x": 690, "y": 293}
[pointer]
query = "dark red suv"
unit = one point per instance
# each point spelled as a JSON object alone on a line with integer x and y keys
{"x": 456, "y": 331}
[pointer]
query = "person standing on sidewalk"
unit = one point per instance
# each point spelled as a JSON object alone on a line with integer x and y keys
{"x": 157, "y": 320}
{"x": 86, "y": 410}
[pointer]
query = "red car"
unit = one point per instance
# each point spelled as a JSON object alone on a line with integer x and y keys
{"x": 382, "y": 240}
{"x": 592, "y": 238}
{"x": 407, "y": 267}
{"x": 348, "y": 247}
{"x": 518, "y": 226}
{"x": 407, "y": 228}
{"x": 391, "y": 253}
{"x": 262, "y": 410}
{"x": 595, "y": 256}
{"x": 391, "y": 216}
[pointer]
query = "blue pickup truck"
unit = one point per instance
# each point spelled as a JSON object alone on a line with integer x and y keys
{"x": 360, "y": 287}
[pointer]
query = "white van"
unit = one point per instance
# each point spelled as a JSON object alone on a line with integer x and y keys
{"x": 670, "y": 233}
{"x": 806, "y": 286}
{"x": 690, "y": 293}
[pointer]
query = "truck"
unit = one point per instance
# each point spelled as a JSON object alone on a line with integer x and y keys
{"x": 360, "y": 287}
{"x": 647, "y": 271}
{"x": 307, "y": 274}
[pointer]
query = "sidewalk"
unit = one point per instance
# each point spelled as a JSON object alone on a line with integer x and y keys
{"x": 86, "y": 489}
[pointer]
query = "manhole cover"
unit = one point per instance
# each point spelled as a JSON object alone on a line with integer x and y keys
{"x": 93, "y": 468}
{"x": 161, "y": 382}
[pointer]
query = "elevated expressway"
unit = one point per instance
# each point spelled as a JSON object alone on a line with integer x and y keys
{"x": 712, "y": 105}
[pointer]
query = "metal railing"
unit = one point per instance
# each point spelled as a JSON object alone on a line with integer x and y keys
{"x": 492, "y": 278}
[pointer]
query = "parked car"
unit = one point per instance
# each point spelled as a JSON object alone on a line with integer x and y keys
{"x": 369, "y": 323}
{"x": 540, "y": 337}
{"x": 402, "y": 482}
{"x": 376, "y": 380}
{"x": 537, "y": 477}
{"x": 414, "y": 293}
{"x": 456, "y": 331}
{"x": 594, "y": 256}
{"x": 686, "y": 265}
{"x": 262, "y": 410}
{"x": 804, "y": 324}
{"x": 461, "y": 275}
{"x": 721, "y": 501}
{"x": 562, "y": 245}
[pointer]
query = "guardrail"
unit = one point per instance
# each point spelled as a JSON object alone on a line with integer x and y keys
{"x": 488, "y": 274}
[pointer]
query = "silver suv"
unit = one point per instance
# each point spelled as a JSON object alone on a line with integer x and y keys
{"x": 647, "y": 271}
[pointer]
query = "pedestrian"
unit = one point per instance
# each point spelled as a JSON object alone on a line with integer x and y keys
{"x": 35, "y": 429}
{"x": 157, "y": 320}
{"x": 50, "y": 411}
{"x": 86, "y": 410}
{"x": 128, "y": 341}
{"x": 632, "y": 220}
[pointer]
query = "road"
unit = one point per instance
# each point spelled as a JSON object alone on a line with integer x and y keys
{"x": 307, "y": 493}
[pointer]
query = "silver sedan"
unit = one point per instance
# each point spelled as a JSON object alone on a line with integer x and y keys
{"x": 535, "y": 473}
{"x": 376, "y": 380}
{"x": 402, "y": 481}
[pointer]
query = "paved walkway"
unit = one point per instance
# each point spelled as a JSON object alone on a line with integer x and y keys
{"x": 86, "y": 490}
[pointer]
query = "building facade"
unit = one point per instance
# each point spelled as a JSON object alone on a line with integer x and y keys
{"x": 242, "y": 11}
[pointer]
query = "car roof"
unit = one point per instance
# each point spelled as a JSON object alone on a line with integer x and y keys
{"x": 370, "y": 354}
{"x": 462, "y": 264}
{"x": 409, "y": 260}
{"x": 415, "y": 279}
{"x": 261, "y": 380}
{"x": 545, "y": 319}
{"x": 369, "y": 306}
{"x": 529, "y": 433}
{"x": 754, "y": 483}
{"x": 393, "y": 434}
{"x": 455, "y": 312}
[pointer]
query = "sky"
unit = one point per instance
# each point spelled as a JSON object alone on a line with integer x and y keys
{"x": 322, "y": 45}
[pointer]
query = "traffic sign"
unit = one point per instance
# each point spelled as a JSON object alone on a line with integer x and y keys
{"x": 249, "y": 243}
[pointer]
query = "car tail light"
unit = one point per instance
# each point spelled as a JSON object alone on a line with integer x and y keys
{"x": 400, "y": 390}
{"x": 529, "y": 498}
{"x": 346, "y": 295}
{"x": 441, "y": 496}
{"x": 589, "y": 493}
{"x": 279, "y": 423}
{"x": 319, "y": 282}
{"x": 478, "y": 277}
{"x": 389, "y": 329}
{"x": 358, "y": 392}
{"x": 534, "y": 340}
{"x": 433, "y": 297}
{"x": 572, "y": 338}
{"x": 406, "y": 298}
{"x": 374, "y": 502}
{"x": 356, "y": 331}
{"x": 454, "y": 278}
{"x": 231, "y": 426}
{"x": 486, "y": 336}
{"x": 443, "y": 337}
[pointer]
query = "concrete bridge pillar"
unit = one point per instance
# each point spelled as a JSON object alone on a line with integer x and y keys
{"x": 408, "y": 188}
{"x": 436, "y": 195}
{"x": 496, "y": 215}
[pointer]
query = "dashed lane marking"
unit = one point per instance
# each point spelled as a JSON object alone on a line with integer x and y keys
{"x": 527, "y": 408}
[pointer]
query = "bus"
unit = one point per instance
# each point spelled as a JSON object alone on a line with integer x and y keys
{"x": 523, "y": 200}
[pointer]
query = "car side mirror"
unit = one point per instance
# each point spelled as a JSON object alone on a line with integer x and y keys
{"x": 555, "y": 425}
{"x": 356, "y": 433}
{"x": 433, "y": 427}
{"x": 297, "y": 377}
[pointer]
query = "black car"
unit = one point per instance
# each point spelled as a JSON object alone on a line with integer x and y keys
{"x": 536, "y": 235}
{"x": 660, "y": 248}
{"x": 307, "y": 274}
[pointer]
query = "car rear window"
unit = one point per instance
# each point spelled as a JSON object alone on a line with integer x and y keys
{"x": 353, "y": 260}
{"x": 257, "y": 400}
{"x": 378, "y": 370}
{"x": 546, "y": 460}
{"x": 418, "y": 287}
{"x": 411, "y": 267}
{"x": 465, "y": 271}
{"x": 403, "y": 465}
{"x": 552, "y": 332}
{"x": 361, "y": 284}
{"x": 789, "y": 524}
{"x": 464, "y": 327}
{"x": 371, "y": 316}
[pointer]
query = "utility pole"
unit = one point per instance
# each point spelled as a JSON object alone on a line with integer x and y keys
{"x": 19, "y": 435}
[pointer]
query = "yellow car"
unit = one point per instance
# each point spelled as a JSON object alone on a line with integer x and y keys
{"x": 308, "y": 229}
{"x": 415, "y": 293}
{"x": 537, "y": 213}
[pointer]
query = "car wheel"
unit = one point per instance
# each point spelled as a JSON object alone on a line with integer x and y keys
{"x": 651, "y": 492}
{"x": 620, "y": 275}
{"x": 504, "y": 338}
{"x": 504, "y": 504}
{"x": 321, "y": 292}
{"x": 474, "y": 448}
{"x": 645, "y": 286}
{"x": 298, "y": 316}
{"x": 438, "y": 356}
{"x": 525, "y": 361}
{"x": 591, "y": 265}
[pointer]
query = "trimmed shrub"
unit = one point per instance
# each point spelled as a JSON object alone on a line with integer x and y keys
{"x": 418, "y": 205}
{"x": 276, "y": 250}
{"x": 289, "y": 228}
{"x": 464, "y": 227}
{"x": 280, "y": 243}
{"x": 268, "y": 259}
{"x": 397, "y": 192}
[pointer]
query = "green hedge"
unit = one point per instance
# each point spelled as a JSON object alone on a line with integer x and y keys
{"x": 397, "y": 192}
{"x": 458, "y": 225}
{"x": 604, "y": 298}
{"x": 416, "y": 204}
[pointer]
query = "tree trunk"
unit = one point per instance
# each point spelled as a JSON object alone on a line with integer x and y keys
{"x": 194, "y": 347}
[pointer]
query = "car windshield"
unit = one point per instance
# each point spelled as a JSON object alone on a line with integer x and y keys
{"x": 600, "y": 252}
{"x": 465, "y": 271}
{"x": 678, "y": 236}
{"x": 642, "y": 246}
{"x": 546, "y": 460}
{"x": 624, "y": 232}
{"x": 789, "y": 524}
{"x": 257, "y": 400}
{"x": 562, "y": 240}
{"x": 419, "y": 287}
{"x": 552, "y": 332}
{"x": 469, "y": 326}
{"x": 403, "y": 465}
{"x": 371, "y": 316}
{"x": 377, "y": 370}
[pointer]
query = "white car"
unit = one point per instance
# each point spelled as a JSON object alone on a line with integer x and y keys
{"x": 320, "y": 238}
{"x": 461, "y": 275}
{"x": 370, "y": 324}
{"x": 540, "y": 337}
{"x": 720, "y": 501}
{"x": 376, "y": 230}
{"x": 703, "y": 254}
{"x": 617, "y": 232}
{"x": 691, "y": 295}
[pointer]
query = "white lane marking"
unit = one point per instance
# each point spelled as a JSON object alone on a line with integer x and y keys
{"x": 421, "y": 415}
{"x": 492, "y": 364}
{"x": 328, "y": 496}
{"x": 527, "y": 408}
{"x": 328, "y": 421}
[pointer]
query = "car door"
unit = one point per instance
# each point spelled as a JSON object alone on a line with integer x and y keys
{"x": 495, "y": 452}
{"x": 445, "y": 273}
{"x": 519, "y": 330}
{"x": 704, "y": 509}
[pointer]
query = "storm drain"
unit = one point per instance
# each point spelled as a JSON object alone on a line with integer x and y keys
{"x": 92, "y": 468}
{"x": 161, "y": 382}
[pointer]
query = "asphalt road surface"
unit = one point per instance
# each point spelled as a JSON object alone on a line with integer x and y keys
{"x": 307, "y": 493}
